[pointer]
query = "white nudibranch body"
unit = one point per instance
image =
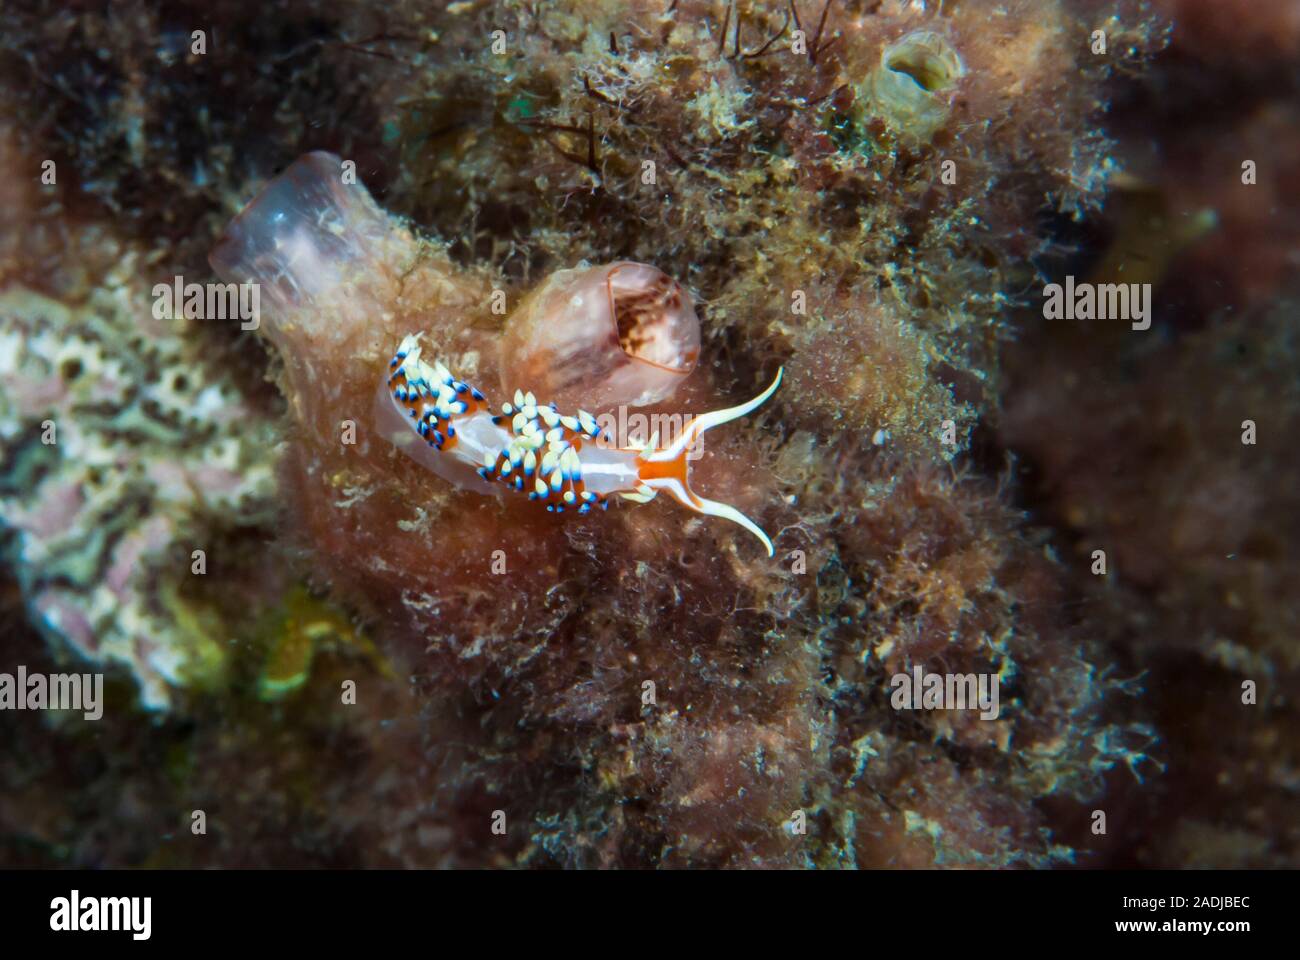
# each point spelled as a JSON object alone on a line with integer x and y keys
{"x": 563, "y": 461}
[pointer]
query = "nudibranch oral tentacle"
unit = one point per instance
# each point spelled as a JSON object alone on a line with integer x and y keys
{"x": 563, "y": 461}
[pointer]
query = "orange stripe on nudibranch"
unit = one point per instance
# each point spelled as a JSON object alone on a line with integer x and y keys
{"x": 674, "y": 469}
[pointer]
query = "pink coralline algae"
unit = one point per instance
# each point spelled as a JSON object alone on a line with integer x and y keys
{"x": 120, "y": 453}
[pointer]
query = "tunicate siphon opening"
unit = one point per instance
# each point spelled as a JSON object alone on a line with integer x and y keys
{"x": 646, "y": 315}
{"x": 598, "y": 337}
{"x": 910, "y": 89}
{"x": 927, "y": 59}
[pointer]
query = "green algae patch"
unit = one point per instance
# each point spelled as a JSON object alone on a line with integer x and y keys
{"x": 302, "y": 628}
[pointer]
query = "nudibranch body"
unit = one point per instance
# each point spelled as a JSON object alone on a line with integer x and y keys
{"x": 564, "y": 461}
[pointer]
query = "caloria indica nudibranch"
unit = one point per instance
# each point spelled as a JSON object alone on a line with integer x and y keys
{"x": 560, "y": 460}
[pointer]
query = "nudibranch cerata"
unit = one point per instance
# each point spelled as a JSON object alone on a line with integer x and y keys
{"x": 561, "y": 460}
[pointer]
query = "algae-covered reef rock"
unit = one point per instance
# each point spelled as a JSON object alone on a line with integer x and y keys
{"x": 656, "y": 652}
{"x": 1198, "y": 528}
{"x": 1180, "y": 462}
{"x": 860, "y": 193}
{"x": 777, "y": 175}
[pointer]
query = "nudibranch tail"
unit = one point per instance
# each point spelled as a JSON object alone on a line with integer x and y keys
{"x": 565, "y": 462}
{"x": 667, "y": 469}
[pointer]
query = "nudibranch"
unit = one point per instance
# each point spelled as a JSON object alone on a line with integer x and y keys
{"x": 563, "y": 461}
